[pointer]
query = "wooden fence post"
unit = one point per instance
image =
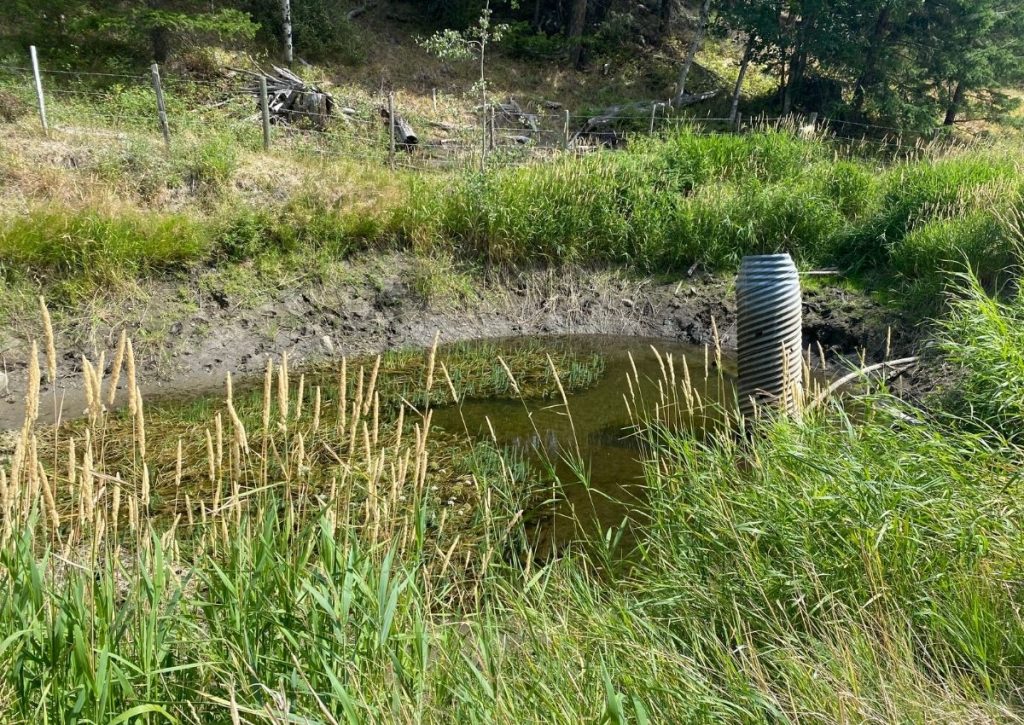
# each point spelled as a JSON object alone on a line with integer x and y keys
{"x": 39, "y": 90}
{"x": 265, "y": 110}
{"x": 391, "y": 130}
{"x": 161, "y": 109}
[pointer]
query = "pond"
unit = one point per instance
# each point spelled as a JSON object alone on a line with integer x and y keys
{"x": 593, "y": 449}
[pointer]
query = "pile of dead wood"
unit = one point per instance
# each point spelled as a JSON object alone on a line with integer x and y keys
{"x": 512, "y": 115}
{"x": 293, "y": 101}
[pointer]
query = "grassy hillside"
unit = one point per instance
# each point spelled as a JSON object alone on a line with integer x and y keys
{"x": 660, "y": 207}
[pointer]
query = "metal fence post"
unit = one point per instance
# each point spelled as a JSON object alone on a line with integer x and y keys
{"x": 39, "y": 90}
{"x": 391, "y": 130}
{"x": 161, "y": 109}
{"x": 565, "y": 132}
{"x": 265, "y": 110}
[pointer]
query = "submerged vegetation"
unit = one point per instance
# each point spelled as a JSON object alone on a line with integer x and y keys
{"x": 294, "y": 558}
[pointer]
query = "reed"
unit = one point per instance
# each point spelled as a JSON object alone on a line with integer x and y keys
{"x": 852, "y": 567}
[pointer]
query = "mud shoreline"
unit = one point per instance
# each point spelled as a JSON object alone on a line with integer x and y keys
{"x": 376, "y": 310}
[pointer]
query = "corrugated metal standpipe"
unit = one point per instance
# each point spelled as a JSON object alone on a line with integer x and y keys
{"x": 769, "y": 334}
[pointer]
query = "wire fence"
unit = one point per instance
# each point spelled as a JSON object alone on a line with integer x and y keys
{"x": 126, "y": 107}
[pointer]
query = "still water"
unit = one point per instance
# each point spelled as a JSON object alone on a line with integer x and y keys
{"x": 597, "y": 433}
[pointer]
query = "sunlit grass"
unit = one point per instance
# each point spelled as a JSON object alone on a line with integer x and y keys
{"x": 298, "y": 560}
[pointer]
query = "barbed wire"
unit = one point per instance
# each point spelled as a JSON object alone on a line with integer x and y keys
{"x": 503, "y": 134}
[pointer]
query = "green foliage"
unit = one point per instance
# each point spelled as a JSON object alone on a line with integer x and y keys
{"x": 469, "y": 43}
{"x": 662, "y": 206}
{"x": 875, "y": 556}
{"x": 983, "y": 339}
{"x": 522, "y": 42}
{"x": 135, "y": 30}
{"x": 321, "y": 30}
{"x": 918, "y": 193}
{"x": 208, "y": 166}
{"x": 87, "y": 247}
{"x": 306, "y": 222}
{"x": 908, "y": 62}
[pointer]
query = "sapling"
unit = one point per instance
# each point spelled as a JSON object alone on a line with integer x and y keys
{"x": 450, "y": 44}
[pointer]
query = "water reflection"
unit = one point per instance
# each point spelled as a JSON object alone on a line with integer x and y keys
{"x": 592, "y": 448}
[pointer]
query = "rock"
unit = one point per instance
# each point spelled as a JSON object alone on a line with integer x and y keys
{"x": 3, "y": 383}
{"x": 328, "y": 345}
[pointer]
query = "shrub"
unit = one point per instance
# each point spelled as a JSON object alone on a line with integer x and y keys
{"x": 12, "y": 107}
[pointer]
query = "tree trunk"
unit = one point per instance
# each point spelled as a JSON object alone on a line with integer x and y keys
{"x": 664, "y": 18}
{"x": 954, "y": 106}
{"x": 869, "y": 76}
{"x": 160, "y": 43}
{"x": 797, "y": 62}
{"x": 536, "y": 16}
{"x": 159, "y": 37}
{"x": 576, "y": 24}
{"x": 286, "y": 19}
{"x": 747, "y": 53}
{"x": 698, "y": 38}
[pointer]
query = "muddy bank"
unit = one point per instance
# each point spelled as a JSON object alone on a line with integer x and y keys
{"x": 189, "y": 334}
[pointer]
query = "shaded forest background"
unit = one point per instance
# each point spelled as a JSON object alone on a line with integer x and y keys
{"x": 912, "y": 63}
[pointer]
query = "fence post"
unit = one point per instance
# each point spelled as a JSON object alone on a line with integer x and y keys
{"x": 494, "y": 129}
{"x": 565, "y": 132}
{"x": 265, "y": 110}
{"x": 739, "y": 122}
{"x": 161, "y": 109}
{"x": 433, "y": 97}
{"x": 39, "y": 90}
{"x": 391, "y": 130}
{"x": 654, "y": 110}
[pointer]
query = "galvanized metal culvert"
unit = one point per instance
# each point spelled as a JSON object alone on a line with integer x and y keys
{"x": 769, "y": 334}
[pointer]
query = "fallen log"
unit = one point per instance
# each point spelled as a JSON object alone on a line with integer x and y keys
{"x": 405, "y": 136}
{"x": 512, "y": 113}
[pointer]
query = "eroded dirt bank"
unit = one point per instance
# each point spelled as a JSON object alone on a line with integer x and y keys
{"x": 188, "y": 336}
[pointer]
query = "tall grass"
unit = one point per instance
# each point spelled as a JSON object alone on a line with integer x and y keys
{"x": 296, "y": 565}
{"x": 692, "y": 198}
{"x": 659, "y": 207}
{"x": 87, "y": 248}
{"x": 982, "y": 340}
